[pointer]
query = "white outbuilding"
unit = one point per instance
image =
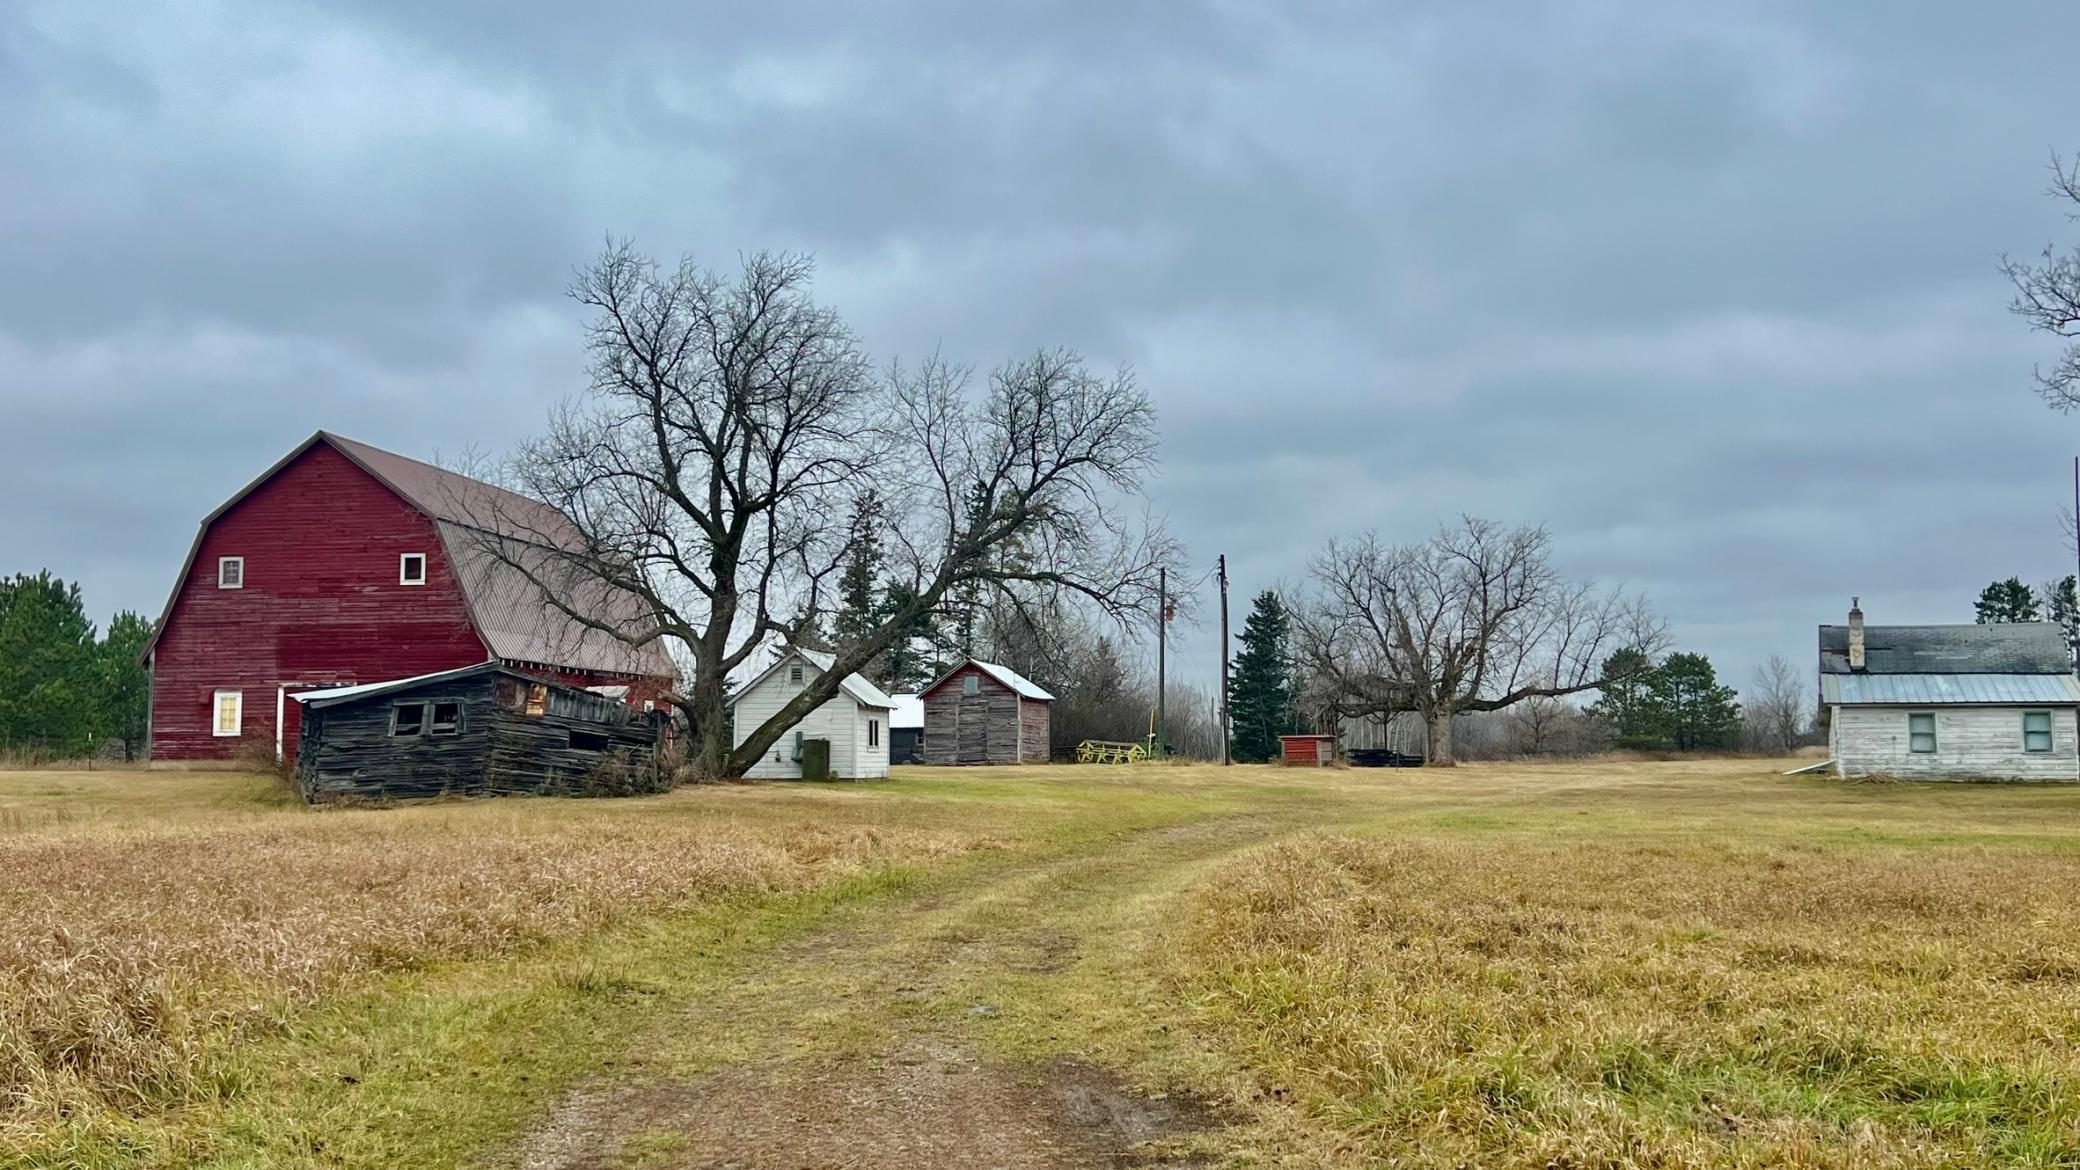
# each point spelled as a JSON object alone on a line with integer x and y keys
{"x": 855, "y": 720}
{"x": 1955, "y": 702}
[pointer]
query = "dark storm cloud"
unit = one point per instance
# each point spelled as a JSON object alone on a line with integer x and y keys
{"x": 1709, "y": 291}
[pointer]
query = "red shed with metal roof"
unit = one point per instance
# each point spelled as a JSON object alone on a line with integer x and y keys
{"x": 345, "y": 563}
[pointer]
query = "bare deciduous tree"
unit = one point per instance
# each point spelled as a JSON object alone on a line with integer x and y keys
{"x": 731, "y": 420}
{"x": 1535, "y": 724}
{"x": 2047, "y": 295}
{"x": 1473, "y": 619}
{"x": 1776, "y": 709}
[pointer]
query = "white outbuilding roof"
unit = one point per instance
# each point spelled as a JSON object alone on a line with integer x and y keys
{"x": 908, "y": 712}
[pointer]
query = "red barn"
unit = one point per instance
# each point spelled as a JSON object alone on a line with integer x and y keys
{"x": 343, "y": 563}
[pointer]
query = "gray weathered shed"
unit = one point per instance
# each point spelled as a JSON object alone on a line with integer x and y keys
{"x": 983, "y": 713}
{"x": 484, "y": 730}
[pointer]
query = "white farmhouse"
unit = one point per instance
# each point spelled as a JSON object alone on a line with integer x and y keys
{"x": 855, "y": 720}
{"x": 1991, "y": 702}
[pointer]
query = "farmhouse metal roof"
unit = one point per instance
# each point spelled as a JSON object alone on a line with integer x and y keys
{"x": 1003, "y": 674}
{"x": 1933, "y": 689}
{"x": 1999, "y": 648}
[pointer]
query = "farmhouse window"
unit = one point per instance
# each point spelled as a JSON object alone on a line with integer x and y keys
{"x": 447, "y": 718}
{"x": 538, "y": 698}
{"x": 411, "y": 569}
{"x": 231, "y": 572}
{"x": 794, "y": 672}
{"x": 2036, "y": 731}
{"x": 1921, "y": 731}
{"x": 971, "y": 685}
{"x": 230, "y": 709}
{"x": 797, "y": 747}
{"x": 407, "y": 719}
{"x": 873, "y": 733}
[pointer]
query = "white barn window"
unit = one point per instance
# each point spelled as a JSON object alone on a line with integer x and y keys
{"x": 228, "y": 713}
{"x": 1921, "y": 731}
{"x": 231, "y": 572}
{"x": 794, "y": 672}
{"x": 411, "y": 569}
{"x": 2036, "y": 731}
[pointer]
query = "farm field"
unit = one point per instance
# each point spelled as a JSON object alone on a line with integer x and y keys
{"x": 1571, "y": 964}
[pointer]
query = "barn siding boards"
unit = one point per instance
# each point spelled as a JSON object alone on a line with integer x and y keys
{"x": 995, "y": 725}
{"x": 321, "y": 603}
{"x": 499, "y": 750}
{"x": 1034, "y": 731}
{"x": 841, "y": 719}
{"x": 1971, "y": 743}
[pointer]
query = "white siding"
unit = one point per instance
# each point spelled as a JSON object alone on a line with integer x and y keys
{"x": 841, "y": 719}
{"x": 1972, "y": 743}
{"x": 872, "y": 760}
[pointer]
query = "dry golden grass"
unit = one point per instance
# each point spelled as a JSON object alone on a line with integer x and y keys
{"x": 1456, "y": 1002}
{"x": 132, "y": 955}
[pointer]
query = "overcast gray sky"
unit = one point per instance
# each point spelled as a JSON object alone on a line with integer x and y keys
{"x": 1708, "y": 289}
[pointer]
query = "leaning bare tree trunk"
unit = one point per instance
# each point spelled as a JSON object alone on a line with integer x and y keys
{"x": 1437, "y": 739}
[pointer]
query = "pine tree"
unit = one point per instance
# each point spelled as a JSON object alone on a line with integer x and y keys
{"x": 47, "y": 666}
{"x": 907, "y": 665}
{"x": 964, "y": 608}
{"x": 2005, "y": 601}
{"x": 1260, "y": 702}
{"x": 1627, "y": 704}
{"x": 1694, "y": 711}
{"x": 2062, "y": 606}
{"x": 859, "y": 584}
{"x": 123, "y": 687}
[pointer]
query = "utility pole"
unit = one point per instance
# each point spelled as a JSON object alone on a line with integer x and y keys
{"x": 1162, "y": 635}
{"x": 1223, "y": 568}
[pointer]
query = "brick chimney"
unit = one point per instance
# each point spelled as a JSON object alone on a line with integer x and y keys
{"x": 1856, "y": 633}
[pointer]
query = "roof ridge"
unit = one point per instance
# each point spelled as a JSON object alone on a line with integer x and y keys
{"x": 336, "y": 437}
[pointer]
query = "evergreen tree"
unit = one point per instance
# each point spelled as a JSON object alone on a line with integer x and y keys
{"x": 1694, "y": 712}
{"x": 2063, "y": 607}
{"x": 1627, "y": 702}
{"x": 2005, "y": 601}
{"x": 1260, "y": 703}
{"x": 48, "y": 691}
{"x": 907, "y": 665}
{"x": 123, "y": 686}
{"x": 859, "y": 607}
{"x": 964, "y": 607}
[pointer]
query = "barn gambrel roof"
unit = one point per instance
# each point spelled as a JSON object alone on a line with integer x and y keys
{"x": 484, "y": 529}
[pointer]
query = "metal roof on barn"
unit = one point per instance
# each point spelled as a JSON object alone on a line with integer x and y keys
{"x": 2021, "y": 648}
{"x": 499, "y": 544}
{"x": 1903, "y": 690}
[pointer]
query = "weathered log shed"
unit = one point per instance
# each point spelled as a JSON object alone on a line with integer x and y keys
{"x": 484, "y": 730}
{"x": 983, "y": 713}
